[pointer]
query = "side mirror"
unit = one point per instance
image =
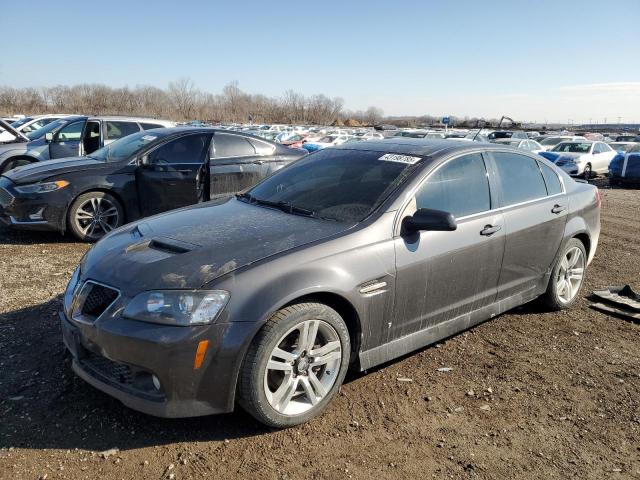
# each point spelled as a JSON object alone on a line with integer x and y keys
{"x": 142, "y": 161}
{"x": 48, "y": 137}
{"x": 429, "y": 220}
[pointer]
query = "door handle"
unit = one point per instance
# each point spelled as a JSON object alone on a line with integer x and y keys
{"x": 489, "y": 230}
{"x": 558, "y": 209}
{"x": 258, "y": 162}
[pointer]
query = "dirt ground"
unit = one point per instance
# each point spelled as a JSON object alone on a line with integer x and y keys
{"x": 530, "y": 394}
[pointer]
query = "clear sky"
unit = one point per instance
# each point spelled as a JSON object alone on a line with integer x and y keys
{"x": 532, "y": 60}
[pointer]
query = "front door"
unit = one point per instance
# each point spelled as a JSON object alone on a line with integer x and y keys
{"x": 535, "y": 213}
{"x": 442, "y": 275}
{"x": 168, "y": 177}
{"x": 235, "y": 165}
{"x": 67, "y": 141}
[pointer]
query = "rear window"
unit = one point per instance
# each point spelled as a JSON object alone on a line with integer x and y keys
{"x": 341, "y": 185}
{"x": 149, "y": 126}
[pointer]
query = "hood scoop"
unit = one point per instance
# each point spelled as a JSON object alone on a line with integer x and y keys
{"x": 171, "y": 245}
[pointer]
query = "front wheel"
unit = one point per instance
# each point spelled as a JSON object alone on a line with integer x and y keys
{"x": 567, "y": 276}
{"x": 588, "y": 172}
{"x": 13, "y": 163}
{"x": 94, "y": 214}
{"x": 295, "y": 365}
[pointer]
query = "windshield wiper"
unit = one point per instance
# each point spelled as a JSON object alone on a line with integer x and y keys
{"x": 284, "y": 206}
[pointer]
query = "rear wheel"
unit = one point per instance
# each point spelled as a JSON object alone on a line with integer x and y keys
{"x": 567, "y": 276}
{"x": 94, "y": 214}
{"x": 295, "y": 365}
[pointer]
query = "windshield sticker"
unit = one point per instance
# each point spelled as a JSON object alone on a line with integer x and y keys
{"x": 149, "y": 138}
{"x": 392, "y": 157}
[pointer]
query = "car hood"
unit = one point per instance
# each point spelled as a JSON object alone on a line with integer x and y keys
{"x": 38, "y": 171}
{"x": 190, "y": 247}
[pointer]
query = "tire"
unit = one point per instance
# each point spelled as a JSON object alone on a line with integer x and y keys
{"x": 588, "y": 172}
{"x": 614, "y": 182}
{"x": 83, "y": 222}
{"x": 296, "y": 390}
{"x": 14, "y": 163}
{"x": 555, "y": 297}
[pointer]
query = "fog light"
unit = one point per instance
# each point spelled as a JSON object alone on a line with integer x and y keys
{"x": 156, "y": 382}
{"x": 37, "y": 215}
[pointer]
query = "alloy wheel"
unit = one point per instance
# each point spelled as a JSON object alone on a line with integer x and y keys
{"x": 96, "y": 216}
{"x": 303, "y": 367}
{"x": 570, "y": 275}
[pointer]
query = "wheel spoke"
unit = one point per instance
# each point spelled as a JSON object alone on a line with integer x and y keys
{"x": 273, "y": 365}
{"x": 328, "y": 348}
{"x": 283, "y": 355}
{"x": 84, "y": 215}
{"x": 282, "y": 390}
{"x": 289, "y": 392}
{"x": 308, "y": 390}
{"x": 317, "y": 385}
{"x": 110, "y": 212}
{"x": 308, "y": 334}
{"x": 317, "y": 361}
{"x": 106, "y": 228}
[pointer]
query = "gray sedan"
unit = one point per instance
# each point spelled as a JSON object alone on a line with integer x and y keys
{"x": 349, "y": 257}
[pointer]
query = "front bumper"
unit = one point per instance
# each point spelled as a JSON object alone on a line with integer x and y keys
{"x": 34, "y": 211}
{"x": 119, "y": 357}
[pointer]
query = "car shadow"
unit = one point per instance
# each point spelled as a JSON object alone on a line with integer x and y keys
{"x": 9, "y": 236}
{"x": 43, "y": 404}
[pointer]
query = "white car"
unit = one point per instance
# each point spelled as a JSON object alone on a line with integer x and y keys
{"x": 326, "y": 141}
{"x": 30, "y": 124}
{"x": 549, "y": 142}
{"x": 528, "y": 145}
{"x": 583, "y": 158}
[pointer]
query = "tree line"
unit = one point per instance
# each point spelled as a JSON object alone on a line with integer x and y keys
{"x": 183, "y": 101}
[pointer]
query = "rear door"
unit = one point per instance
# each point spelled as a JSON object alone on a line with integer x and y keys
{"x": 236, "y": 163}
{"x": 603, "y": 154}
{"x": 67, "y": 140}
{"x": 535, "y": 211}
{"x": 168, "y": 178}
{"x": 442, "y": 275}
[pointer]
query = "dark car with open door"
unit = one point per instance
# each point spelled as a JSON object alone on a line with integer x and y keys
{"x": 139, "y": 175}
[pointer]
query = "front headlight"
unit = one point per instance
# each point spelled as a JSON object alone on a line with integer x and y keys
{"x": 42, "y": 187}
{"x": 177, "y": 307}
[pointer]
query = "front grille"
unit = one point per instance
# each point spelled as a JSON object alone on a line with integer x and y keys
{"x": 114, "y": 371}
{"x": 5, "y": 198}
{"x": 92, "y": 300}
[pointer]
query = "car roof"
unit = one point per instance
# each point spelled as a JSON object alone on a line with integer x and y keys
{"x": 417, "y": 146}
{"x": 130, "y": 119}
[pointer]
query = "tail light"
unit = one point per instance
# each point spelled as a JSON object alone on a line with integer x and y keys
{"x": 598, "y": 198}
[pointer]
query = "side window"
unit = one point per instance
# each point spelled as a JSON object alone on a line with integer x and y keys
{"x": 604, "y": 148}
{"x": 442, "y": 191}
{"x": 187, "y": 149}
{"x": 37, "y": 124}
{"x": 520, "y": 177}
{"x": 117, "y": 130}
{"x": 226, "y": 145}
{"x": 149, "y": 126}
{"x": 551, "y": 179}
{"x": 71, "y": 132}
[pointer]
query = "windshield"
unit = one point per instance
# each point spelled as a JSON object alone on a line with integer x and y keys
{"x": 494, "y": 135}
{"x": 336, "y": 184}
{"x": 124, "y": 147}
{"x": 623, "y": 147}
{"x": 50, "y": 127}
{"x": 327, "y": 139}
{"x": 553, "y": 140}
{"x": 21, "y": 122}
{"x": 634, "y": 149}
{"x": 572, "y": 147}
{"x": 509, "y": 142}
